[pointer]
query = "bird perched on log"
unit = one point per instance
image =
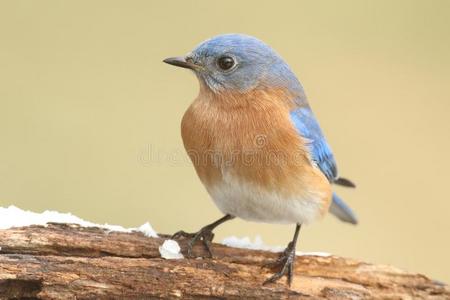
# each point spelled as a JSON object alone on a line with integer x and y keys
{"x": 255, "y": 142}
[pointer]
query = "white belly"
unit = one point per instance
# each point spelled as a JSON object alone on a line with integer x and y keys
{"x": 250, "y": 202}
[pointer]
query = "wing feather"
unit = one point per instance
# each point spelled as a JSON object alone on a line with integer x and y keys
{"x": 307, "y": 126}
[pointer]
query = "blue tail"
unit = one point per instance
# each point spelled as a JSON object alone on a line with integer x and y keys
{"x": 342, "y": 211}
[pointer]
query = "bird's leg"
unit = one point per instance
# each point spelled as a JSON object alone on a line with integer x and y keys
{"x": 285, "y": 262}
{"x": 205, "y": 235}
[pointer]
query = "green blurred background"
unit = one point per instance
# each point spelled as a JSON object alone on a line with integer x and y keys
{"x": 90, "y": 116}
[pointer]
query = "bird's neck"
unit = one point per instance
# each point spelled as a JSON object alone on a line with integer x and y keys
{"x": 256, "y": 98}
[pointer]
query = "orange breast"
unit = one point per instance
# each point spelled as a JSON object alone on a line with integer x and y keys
{"x": 250, "y": 136}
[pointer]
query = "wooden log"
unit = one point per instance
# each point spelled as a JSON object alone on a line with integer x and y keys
{"x": 63, "y": 261}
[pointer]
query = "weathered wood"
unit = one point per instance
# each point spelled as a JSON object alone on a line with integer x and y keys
{"x": 63, "y": 261}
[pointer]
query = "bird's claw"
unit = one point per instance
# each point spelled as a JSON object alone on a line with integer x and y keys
{"x": 183, "y": 234}
{"x": 205, "y": 235}
{"x": 285, "y": 262}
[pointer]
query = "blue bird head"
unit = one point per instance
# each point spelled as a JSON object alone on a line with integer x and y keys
{"x": 237, "y": 62}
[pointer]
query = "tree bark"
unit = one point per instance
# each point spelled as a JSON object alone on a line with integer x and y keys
{"x": 63, "y": 261}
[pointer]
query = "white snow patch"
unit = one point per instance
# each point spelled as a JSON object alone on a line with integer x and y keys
{"x": 170, "y": 250}
{"x": 246, "y": 243}
{"x": 258, "y": 244}
{"x": 15, "y": 217}
{"x": 147, "y": 230}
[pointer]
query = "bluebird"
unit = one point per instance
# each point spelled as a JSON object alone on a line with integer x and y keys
{"x": 255, "y": 142}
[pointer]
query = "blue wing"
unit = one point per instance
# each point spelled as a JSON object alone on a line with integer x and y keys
{"x": 308, "y": 128}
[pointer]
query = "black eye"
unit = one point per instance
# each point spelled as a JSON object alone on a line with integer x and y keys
{"x": 225, "y": 62}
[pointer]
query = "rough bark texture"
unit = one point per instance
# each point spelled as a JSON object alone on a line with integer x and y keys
{"x": 63, "y": 261}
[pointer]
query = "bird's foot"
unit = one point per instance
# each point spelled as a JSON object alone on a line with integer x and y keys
{"x": 205, "y": 235}
{"x": 285, "y": 264}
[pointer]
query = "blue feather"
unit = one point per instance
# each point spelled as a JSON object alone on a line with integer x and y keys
{"x": 342, "y": 211}
{"x": 307, "y": 126}
{"x": 321, "y": 153}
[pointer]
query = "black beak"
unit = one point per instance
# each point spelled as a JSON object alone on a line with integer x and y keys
{"x": 180, "y": 62}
